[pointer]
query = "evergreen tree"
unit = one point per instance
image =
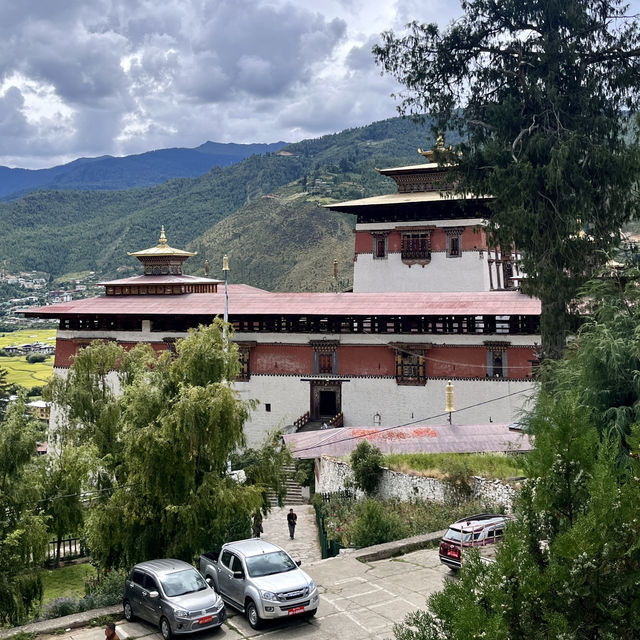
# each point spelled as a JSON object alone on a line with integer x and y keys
{"x": 539, "y": 89}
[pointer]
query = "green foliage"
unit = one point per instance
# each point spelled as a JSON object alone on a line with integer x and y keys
{"x": 107, "y": 592}
{"x": 266, "y": 468}
{"x": 23, "y": 532}
{"x": 417, "y": 517}
{"x": 101, "y": 226}
{"x": 160, "y": 448}
{"x": 375, "y": 526}
{"x": 435, "y": 465}
{"x": 366, "y": 463}
{"x": 544, "y": 94}
{"x": 4, "y": 384}
{"x": 33, "y": 358}
{"x": 305, "y": 473}
{"x": 568, "y": 566}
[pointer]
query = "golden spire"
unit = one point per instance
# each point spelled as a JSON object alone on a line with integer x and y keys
{"x": 163, "y": 238}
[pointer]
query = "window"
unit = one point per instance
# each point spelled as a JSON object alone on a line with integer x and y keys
{"x": 496, "y": 363}
{"x": 380, "y": 246}
{"x": 410, "y": 367}
{"x": 325, "y": 357}
{"x": 416, "y": 246}
{"x": 454, "y": 241}
{"x": 267, "y": 407}
{"x": 325, "y": 362}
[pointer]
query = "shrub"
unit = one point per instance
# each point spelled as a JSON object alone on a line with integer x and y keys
{"x": 62, "y": 606}
{"x": 366, "y": 462}
{"x": 32, "y": 358}
{"x": 110, "y": 590}
{"x": 374, "y": 525}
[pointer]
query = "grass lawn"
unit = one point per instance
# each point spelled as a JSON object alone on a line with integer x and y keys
{"x": 438, "y": 465}
{"x": 66, "y": 581}
{"x": 19, "y": 371}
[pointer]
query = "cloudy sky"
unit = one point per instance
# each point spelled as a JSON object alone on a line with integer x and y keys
{"x": 87, "y": 78}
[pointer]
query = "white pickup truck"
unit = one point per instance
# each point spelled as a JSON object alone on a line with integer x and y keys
{"x": 260, "y": 579}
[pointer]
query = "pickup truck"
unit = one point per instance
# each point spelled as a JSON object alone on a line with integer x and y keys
{"x": 260, "y": 579}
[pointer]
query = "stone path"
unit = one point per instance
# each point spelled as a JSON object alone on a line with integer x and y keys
{"x": 305, "y": 546}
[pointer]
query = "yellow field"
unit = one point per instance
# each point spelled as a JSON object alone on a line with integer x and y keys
{"x": 18, "y": 369}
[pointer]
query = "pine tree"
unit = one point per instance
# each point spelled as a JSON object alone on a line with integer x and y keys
{"x": 543, "y": 92}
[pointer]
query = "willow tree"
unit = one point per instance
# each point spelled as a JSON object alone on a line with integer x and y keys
{"x": 178, "y": 424}
{"x": 23, "y": 531}
{"x": 542, "y": 93}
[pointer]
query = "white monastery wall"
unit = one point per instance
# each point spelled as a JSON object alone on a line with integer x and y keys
{"x": 333, "y": 474}
{"x": 469, "y": 272}
{"x": 286, "y": 397}
{"x": 364, "y": 399}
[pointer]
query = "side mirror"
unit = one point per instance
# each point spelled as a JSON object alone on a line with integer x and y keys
{"x": 153, "y": 594}
{"x": 209, "y": 581}
{"x": 298, "y": 562}
{"x": 238, "y": 574}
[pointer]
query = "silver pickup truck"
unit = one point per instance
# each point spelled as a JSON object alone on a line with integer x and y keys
{"x": 260, "y": 579}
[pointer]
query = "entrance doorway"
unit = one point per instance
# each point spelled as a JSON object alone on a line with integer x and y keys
{"x": 327, "y": 404}
{"x": 326, "y": 399}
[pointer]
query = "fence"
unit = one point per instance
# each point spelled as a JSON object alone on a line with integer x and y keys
{"x": 69, "y": 548}
{"x": 328, "y": 548}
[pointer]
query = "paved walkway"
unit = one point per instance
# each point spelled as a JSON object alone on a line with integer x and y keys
{"x": 306, "y": 545}
{"x": 359, "y": 601}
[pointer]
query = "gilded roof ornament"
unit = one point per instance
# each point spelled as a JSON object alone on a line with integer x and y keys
{"x": 163, "y": 238}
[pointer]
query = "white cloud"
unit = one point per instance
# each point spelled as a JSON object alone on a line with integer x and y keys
{"x": 124, "y": 76}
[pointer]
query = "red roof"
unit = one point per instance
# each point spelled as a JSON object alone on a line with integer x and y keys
{"x": 448, "y": 438}
{"x": 247, "y": 301}
{"x": 161, "y": 279}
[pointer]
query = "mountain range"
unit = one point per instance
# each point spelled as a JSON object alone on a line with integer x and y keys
{"x": 265, "y": 212}
{"x": 140, "y": 170}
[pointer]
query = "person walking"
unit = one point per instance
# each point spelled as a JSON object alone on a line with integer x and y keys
{"x": 292, "y": 520}
{"x": 257, "y": 524}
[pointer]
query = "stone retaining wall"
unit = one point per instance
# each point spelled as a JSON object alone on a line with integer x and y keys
{"x": 332, "y": 475}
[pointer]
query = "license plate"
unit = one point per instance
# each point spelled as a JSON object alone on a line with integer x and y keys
{"x": 205, "y": 620}
{"x": 296, "y": 610}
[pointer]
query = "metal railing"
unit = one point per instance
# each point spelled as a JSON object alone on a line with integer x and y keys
{"x": 69, "y": 548}
{"x": 328, "y": 548}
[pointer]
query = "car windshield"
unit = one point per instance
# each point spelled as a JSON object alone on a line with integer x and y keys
{"x": 454, "y": 534}
{"x": 181, "y": 582}
{"x": 269, "y": 563}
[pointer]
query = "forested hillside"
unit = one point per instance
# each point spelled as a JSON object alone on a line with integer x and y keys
{"x": 63, "y": 231}
{"x": 140, "y": 170}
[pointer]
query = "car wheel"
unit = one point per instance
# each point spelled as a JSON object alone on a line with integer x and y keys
{"x": 165, "y": 629}
{"x": 128, "y": 611}
{"x": 252, "y": 615}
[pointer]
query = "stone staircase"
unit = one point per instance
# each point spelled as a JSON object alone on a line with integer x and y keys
{"x": 294, "y": 490}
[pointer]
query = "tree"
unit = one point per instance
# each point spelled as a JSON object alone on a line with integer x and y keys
{"x": 174, "y": 425}
{"x": 64, "y": 474}
{"x": 266, "y": 467}
{"x": 366, "y": 463}
{"x": 4, "y": 385}
{"x": 23, "y": 531}
{"x": 539, "y": 90}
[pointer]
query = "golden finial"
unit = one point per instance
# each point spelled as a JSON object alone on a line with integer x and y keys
{"x": 440, "y": 142}
{"x": 163, "y": 238}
